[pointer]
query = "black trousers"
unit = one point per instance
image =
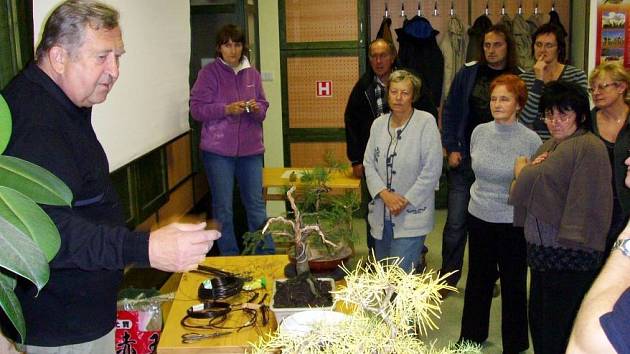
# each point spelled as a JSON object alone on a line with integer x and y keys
{"x": 554, "y": 300}
{"x": 493, "y": 246}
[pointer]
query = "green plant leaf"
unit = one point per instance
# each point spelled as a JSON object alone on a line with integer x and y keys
{"x": 27, "y": 216}
{"x": 33, "y": 181}
{"x": 11, "y": 305}
{"x": 20, "y": 255}
{"x": 5, "y": 124}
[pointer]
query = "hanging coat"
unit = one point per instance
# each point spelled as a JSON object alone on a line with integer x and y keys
{"x": 523, "y": 42}
{"x": 475, "y": 37}
{"x": 419, "y": 51}
{"x": 554, "y": 18}
{"x": 506, "y": 21}
{"x": 535, "y": 21}
{"x": 385, "y": 30}
{"x": 453, "y": 48}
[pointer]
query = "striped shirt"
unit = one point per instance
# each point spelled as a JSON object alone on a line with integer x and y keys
{"x": 530, "y": 114}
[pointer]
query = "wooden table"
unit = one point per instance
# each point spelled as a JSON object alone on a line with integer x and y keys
{"x": 271, "y": 267}
{"x": 272, "y": 178}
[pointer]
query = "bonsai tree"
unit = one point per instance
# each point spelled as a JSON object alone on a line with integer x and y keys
{"x": 391, "y": 309}
{"x": 331, "y": 212}
{"x": 299, "y": 232}
{"x": 28, "y": 237}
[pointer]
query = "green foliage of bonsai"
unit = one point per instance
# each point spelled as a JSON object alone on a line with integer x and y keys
{"x": 331, "y": 212}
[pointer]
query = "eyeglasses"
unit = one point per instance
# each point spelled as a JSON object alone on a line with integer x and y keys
{"x": 547, "y": 46}
{"x": 602, "y": 87}
{"x": 550, "y": 117}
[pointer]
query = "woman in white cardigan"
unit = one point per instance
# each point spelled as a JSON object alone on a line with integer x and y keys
{"x": 403, "y": 163}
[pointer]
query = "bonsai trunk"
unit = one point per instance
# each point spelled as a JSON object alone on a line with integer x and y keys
{"x": 301, "y": 259}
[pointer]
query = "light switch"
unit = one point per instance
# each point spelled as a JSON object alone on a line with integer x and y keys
{"x": 267, "y": 76}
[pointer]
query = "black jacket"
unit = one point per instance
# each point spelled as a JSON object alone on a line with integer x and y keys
{"x": 420, "y": 52}
{"x": 475, "y": 37}
{"x": 79, "y": 302}
{"x": 361, "y": 112}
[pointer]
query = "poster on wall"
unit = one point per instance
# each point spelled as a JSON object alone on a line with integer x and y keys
{"x": 613, "y": 31}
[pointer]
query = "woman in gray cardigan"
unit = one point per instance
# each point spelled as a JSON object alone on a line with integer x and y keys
{"x": 403, "y": 163}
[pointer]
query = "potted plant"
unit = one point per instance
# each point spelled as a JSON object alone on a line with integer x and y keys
{"x": 28, "y": 237}
{"x": 330, "y": 210}
{"x": 303, "y": 290}
{"x": 390, "y": 309}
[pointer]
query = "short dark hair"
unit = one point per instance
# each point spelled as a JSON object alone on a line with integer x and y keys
{"x": 566, "y": 96}
{"x": 514, "y": 84}
{"x": 234, "y": 33}
{"x": 390, "y": 45}
{"x": 558, "y": 33}
{"x": 511, "y": 61}
{"x": 66, "y": 25}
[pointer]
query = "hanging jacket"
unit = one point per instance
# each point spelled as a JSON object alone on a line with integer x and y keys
{"x": 385, "y": 30}
{"x": 453, "y": 48}
{"x": 506, "y": 21}
{"x": 475, "y": 37}
{"x": 554, "y": 18}
{"x": 523, "y": 42}
{"x": 535, "y": 21}
{"x": 419, "y": 52}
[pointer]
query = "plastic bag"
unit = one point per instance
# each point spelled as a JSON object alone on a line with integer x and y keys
{"x": 139, "y": 320}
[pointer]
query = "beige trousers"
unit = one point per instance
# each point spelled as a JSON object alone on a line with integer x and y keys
{"x": 103, "y": 345}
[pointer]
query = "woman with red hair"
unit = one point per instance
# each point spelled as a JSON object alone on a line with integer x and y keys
{"x": 494, "y": 243}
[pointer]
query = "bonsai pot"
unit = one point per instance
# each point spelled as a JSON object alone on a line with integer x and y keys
{"x": 320, "y": 261}
{"x": 282, "y": 312}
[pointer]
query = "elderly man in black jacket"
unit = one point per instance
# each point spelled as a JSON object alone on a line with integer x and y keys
{"x": 367, "y": 101}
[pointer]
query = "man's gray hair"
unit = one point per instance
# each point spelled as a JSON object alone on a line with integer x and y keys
{"x": 402, "y": 75}
{"x": 67, "y": 23}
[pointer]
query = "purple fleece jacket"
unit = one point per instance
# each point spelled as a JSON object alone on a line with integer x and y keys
{"x": 228, "y": 135}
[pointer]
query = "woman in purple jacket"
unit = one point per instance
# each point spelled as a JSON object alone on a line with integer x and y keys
{"x": 229, "y": 101}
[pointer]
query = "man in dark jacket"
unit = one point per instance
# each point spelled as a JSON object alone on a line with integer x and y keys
{"x": 468, "y": 105}
{"x": 51, "y": 104}
{"x": 367, "y": 101}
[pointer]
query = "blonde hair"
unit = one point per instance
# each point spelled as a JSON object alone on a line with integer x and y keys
{"x": 402, "y": 75}
{"x": 616, "y": 72}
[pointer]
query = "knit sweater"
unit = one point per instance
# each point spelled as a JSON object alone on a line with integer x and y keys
{"x": 569, "y": 190}
{"x": 493, "y": 149}
{"x": 530, "y": 114}
{"x": 411, "y": 168}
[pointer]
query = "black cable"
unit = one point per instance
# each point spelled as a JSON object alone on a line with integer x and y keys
{"x": 220, "y": 288}
{"x": 209, "y": 309}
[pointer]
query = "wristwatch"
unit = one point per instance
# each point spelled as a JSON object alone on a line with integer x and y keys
{"x": 623, "y": 245}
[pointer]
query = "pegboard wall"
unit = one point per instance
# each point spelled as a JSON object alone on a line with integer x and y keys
{"x": 467, "y": 11}
{"x": 311, "y": 21}
{"x": 312, "y": 154}
{"x": 306, "y": 110}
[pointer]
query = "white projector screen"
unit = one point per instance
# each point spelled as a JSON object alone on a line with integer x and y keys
{"x": 148, "y": 105}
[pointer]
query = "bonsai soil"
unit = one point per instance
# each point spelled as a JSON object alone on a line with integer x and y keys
{"x": 297, "y": 293}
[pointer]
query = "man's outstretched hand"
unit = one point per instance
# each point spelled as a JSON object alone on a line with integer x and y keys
{"x": 180, "y": 247}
